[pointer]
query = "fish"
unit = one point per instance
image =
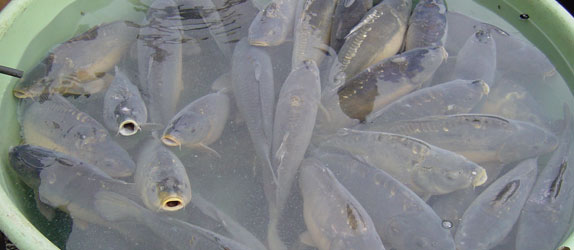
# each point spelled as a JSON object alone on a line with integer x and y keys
{"x": 477, "y": 57}
{"x": 450, "y": 207}
{"x": 334, "y": 218}
{"x": 427, "y": 25}
{"x": 212, "y": 19}
{"x": 63, "y": 181}
{"x": 388, "y": 80}
{"x": 161, "y": 178}
{"x": 374, "y": 88}
{"x": 273, "y": 25}
{"x": 424, "y": 168}
{"x": 454, "y": 97}
{"x": 198, "y": 124}
{"x": 124, "y": 108}
{"x": 377, "y": 36}
{"x": 491, "y": 216}
{"x": 295, "y": 115}
{"x": 56, "y": 124}
{"x": 348, "y": 13}
{"x": 312, "y": 30}
{"x": 544, "y": 219}
{"x": 392, "y": 206}
{"x": 159, "y": 50}
{"x": 481, "y": 138}
{"x": 180, "y": 234}
{"x": 77, "y": 66}
{"x": 254, "y": 92}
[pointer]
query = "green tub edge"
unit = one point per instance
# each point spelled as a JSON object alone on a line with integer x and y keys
{"x": 549, "y": 27}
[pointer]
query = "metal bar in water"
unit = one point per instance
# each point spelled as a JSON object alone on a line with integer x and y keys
{"x": 11, "y": 72}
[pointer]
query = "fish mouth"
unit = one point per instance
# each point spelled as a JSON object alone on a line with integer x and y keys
{"x": 20, "y": 93}
{"x": 170, "y": 140}
{"x": 485, "y": 87}
{"x": 480, "y": 177}
{"x": 129, "y": 127}
{"x": 444, "y": 53}
{"x": 172, "y": 204}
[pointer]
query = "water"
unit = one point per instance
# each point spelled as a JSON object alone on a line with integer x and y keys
{"x": 233, "y": 183}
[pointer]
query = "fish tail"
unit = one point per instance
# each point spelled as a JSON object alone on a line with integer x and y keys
{"x": 273, "y": 239}
{"x": 114, "y": 207}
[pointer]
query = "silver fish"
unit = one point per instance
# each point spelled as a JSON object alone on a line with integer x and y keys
{"x": 424, "y": 168}
{"x": 181, "y": 235}
{"x": 58, "y": 125}
{"x": 487, "y": 138}
{"x": 159, "y": 47}
{"x": 161, "y": 178}
{"x": 334, "y": 218}
{"x": 124, "y": 108}
{"x": 377, "y": 36}
{"x": 198, "y": 124}
{"x": 427, "y": 25}
{"x": 274, "y": 24}
{"x": 292, "y": 128}
{"x": 392, "y": 206}
{"x": 254, "y": 92}
{"x": 458, "y": 96}
{"x": 491, "y": 216}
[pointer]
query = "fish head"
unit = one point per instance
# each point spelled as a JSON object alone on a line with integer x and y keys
{"x": 442, "y": 173}
{"x": 164, "y": 184}
{"x": 113, "y": 160}
{"x": 269, "y": 28}
{"x": 529, "y": 142}
{"x": 28, "y": 161}
{"x": 187, "y": 129}
{"x": 32, "y": 89}
{"x": 426, "y": 235}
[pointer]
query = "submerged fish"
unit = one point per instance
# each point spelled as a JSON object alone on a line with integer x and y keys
{"x": 295, "y": 115}
{"x": 159, "y": 48}
{"x": 427, "y": 25}
{"x": 348, "y": 13}
{"x": 180, "y": 234}
{"x": 124, "y": 108}
{"x": 77, "y": 66}
{"x": 377, "y": 36}
{"x": 56, "y": 124}
{"x": 198, "y": 124}
{"x": 485, "y": 138}
{"x": 424, "y": 168}
{"x": 273, "y": 24}
{"x": 161, "y": 178}
{"x": 458, "y": 96}
{"x": 334, "y": 218}
{"x": 477, "y": 57}
{"x": 491, "y": 216}
{"x": 392, "y": 206}
{"x": 254, "y": 92}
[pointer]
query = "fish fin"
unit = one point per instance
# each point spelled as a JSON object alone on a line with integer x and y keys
{"x": 325, "y": 112}
{"x": 208, "y": 149}
{"x": 222, "y": 83}
{"x": 81, "y": 224}
{"x": 46, "y": 210}
{"x": 306, "y": 239}
{"x": 114, "y": 207}
{"x": 273, "y": 239}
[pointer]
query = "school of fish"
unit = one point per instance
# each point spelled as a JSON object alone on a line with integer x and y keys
{"x": 296, "y": 124}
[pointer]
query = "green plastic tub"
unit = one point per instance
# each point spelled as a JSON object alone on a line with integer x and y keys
{"x": 28, "y": 29}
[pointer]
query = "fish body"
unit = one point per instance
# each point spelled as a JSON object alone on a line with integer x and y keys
{"x": 392, "y": 206}
{"x": 491, "y": 216}
{"x": 254, "y": 92}
{"x": 159, "y": 48}
{"x": 477, "y": 57}
{"x": 334, "y": 218}
{"x": 377, "y": 36}
{"x": 348, "y": 13}
{"x": 161, "y": 178}
{"x": 200, "y": 123}
{"x": 427, "y": 25}
{"x": 454, "y": 97}
{"x": 124, "y": 108}
{"x": 424, "y": 168}
{"x": 58, "y": 125}
{"x": 273, "y": 24}
{"x": 487, "y": 138}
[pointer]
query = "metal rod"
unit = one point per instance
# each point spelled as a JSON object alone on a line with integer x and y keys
{"x": 11, "y": 72}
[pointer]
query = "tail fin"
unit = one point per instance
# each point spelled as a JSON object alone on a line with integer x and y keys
{"x": 114, "y": 207}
